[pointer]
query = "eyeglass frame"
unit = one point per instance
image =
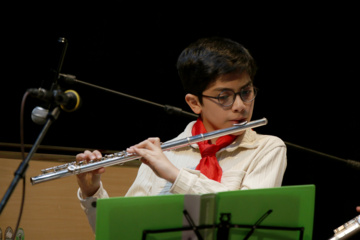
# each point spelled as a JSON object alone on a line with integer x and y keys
{"x": 255, "y": 89}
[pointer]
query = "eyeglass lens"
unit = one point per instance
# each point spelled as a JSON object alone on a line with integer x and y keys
{"x": 227, "y": 97}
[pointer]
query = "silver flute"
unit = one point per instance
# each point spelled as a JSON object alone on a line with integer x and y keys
{"x": 74, "y": 168}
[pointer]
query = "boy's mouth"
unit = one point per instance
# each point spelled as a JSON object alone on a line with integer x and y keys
{"x": 239, "y": 121}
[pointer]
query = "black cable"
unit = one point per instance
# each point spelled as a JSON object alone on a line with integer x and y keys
{"x": 22, "y": 146}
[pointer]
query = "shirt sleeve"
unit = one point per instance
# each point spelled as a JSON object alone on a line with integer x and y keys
{"x": 89, "y": 204}
{"x": 267, "y": 171}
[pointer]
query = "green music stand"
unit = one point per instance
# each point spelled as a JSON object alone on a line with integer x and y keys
{"x": 274, "y": 213}
{"x": 127, "y": 217}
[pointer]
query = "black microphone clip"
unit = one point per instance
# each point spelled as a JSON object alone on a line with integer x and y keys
{"x": 67, "y": 78}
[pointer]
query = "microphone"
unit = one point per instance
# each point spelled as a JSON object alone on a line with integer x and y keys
{"x": 39, "y": 115}
{"x": 69, "y": 100}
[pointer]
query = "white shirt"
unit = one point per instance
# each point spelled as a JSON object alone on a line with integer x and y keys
{"x": 252, "y": 161}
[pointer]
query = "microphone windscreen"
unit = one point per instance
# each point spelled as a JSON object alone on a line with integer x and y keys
{"x": 39, "y": 115}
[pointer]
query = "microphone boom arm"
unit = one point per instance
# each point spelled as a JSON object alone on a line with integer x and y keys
{"x": 71, "y": 79}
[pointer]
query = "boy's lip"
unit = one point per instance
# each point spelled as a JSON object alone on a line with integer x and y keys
{"x": 237, "y": 121}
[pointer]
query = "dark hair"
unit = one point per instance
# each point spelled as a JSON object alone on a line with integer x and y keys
{"x": 203, "y": 61}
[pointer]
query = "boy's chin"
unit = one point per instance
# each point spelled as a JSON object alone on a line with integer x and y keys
{"x": 239, "y": 133}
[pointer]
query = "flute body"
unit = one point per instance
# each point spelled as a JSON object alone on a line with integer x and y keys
{"x": 74, "y": 168}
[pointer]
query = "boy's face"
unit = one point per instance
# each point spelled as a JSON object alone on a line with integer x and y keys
{"x": 214, "y": 115}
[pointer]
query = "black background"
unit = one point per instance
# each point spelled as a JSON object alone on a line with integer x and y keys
{"x": 308, "y": 59}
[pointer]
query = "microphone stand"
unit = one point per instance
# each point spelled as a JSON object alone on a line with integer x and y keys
{"x": 71, "y": 79}
{"x": 20, "y": 172}
{"x": 350, "y": 163}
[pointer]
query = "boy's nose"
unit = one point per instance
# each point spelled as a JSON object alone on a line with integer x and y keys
{"x": 238, "y": 104}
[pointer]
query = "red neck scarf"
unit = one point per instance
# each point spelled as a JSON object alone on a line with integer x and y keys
{"x": 209, "y": 165}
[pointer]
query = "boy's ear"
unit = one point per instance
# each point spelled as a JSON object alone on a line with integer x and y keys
{"x": 193, "y": 102}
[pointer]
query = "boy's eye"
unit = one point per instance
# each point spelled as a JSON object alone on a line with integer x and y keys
{"x": 226, "y": 96}
{"x": 246, "y": 92}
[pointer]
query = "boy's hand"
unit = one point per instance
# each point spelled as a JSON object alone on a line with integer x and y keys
{"x": 153, "y": 156}
{"x": 89, "y": 182}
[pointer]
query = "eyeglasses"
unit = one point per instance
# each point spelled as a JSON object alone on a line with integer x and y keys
{"x": 227, "y": 97}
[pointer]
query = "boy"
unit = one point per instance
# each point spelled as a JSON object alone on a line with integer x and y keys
{"x": 217, "y": 75}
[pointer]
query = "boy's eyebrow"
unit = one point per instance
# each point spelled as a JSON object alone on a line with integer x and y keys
{"x": 246, "y": 85}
